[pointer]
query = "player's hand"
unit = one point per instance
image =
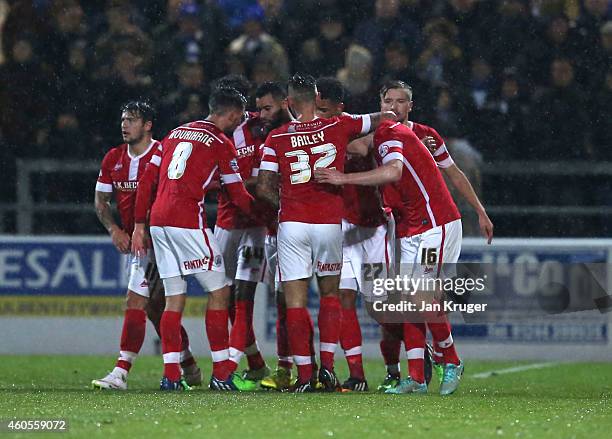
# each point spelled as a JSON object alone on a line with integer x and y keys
{"x": 121, "y": 240}
{"x": 430, "y": 143}
{"x": 329, "y": 176}
{"x": 486, "y": 227}
{"x": 139, "y": 240}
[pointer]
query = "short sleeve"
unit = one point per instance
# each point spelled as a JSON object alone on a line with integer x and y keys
{"x": 441, "y": 154}
{"x": 269, "y": 160}
{"x": 157, "y": 156}
{"x": 229, "y": 171}
{"x": 389, "y": 144}
{"x": 356, "y": 124}
{"x": 105, "y": 181}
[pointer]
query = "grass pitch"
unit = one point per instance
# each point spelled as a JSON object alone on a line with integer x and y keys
{"x": 563, "y": 401}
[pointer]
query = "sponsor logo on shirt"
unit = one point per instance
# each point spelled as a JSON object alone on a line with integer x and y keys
{"x": 125, "y": 186}
{"x": 195, "y": 264}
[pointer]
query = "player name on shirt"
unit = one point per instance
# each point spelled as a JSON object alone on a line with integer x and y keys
{"x": 125, "y": 186}
{"x": 309, "y": 139}
{"x": 196, "y": 136}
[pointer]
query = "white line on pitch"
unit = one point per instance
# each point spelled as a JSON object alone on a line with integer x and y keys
{"x": 513, "y": 370}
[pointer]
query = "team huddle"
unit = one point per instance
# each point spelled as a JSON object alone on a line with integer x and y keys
{"x": 304, "y": 189}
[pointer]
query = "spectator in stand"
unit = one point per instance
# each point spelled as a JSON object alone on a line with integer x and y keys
{"x": 356, "y": 76}
{"x": 68, "y": 24}
{"x": 597, "y": 59}
{"x": 441, "y": 60}
{"x": 25, "y": 104}
{"x": 319, "y": 55}
{"x": 387, "y": 25}
{"x": 255, "y": 45}
{"x": 601, "y": 119}
{"x": 557, "y": 41}
{"x": 560, "y": 120}
{"x": 594, "y": 14}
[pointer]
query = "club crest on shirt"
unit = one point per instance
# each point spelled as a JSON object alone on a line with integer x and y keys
{"x": 118, "y": 166}
{"x": 234, "y": 164}
{"x": 383, "y": 150}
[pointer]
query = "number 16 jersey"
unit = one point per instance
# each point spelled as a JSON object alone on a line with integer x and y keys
{"x": 295, "y": 150}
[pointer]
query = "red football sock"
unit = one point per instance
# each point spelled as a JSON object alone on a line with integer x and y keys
{"x": 330, "y": 323}
{"x": 443, "y": 340}
{"x": 282, "y": 338}
{"x": 350, "y": 340}
{"x": 132, "y": 337}
{"x": 391, "y": 344}
{"x": 299, "y": 330}
{"x": 254, "y": 357}
{"x": 186, "y": 355}
{"x": 218, "y": 336}
{"x": 171, "y": 344}
{"x": 414, "y": 340}
{"x": 238, "y": 334}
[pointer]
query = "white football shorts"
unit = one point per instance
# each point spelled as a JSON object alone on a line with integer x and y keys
{"x": 431, "y": 254}
{"x": 367, "y": 254}
{"x": 183, "y": 252}
{"x": 136, "y": 268}
{"x": 305, "y": 249}
{"x": 243, "y": 252}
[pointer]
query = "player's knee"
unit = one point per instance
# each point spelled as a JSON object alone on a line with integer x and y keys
{"x": 175, "y": 303}
{"x": 219, "y": 299}
{"x": 135, "y": 301}
{"x": 348, "y": 299}
{"x": 245, "y": 290}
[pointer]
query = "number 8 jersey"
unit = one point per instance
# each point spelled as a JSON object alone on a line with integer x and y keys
{"x": 187, "y": 161}
{"x": 295, "y": 150}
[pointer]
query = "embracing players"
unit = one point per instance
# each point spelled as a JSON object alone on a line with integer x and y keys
{"x": 428, "y": 224}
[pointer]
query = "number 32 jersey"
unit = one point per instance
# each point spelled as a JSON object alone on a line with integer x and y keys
{"x": 187, "y": 160}
{"x": 295, "y": 150}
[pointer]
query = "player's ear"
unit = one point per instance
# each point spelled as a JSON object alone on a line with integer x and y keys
{"x": 341, "y": 107}
{"x": 410, "y": 104}
{"x": 148, "y": 125}
{"x": 284, "y": 104}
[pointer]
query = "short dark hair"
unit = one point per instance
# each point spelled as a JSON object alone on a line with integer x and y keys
{"x": 331, "y": 88}
{"x": 302, "y": 87}
{"x": 276, "y": 89}
{"x": 225, "y": 99}
{"x": 239, "y": 82}
{"x": 141, "y": 108}
{"x": 395, "y": 83}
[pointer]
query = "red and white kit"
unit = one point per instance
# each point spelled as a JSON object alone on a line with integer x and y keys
{"x": 309, "y": 231}
{"x": 241, "y": 237}
{"x": 185, "y": 165}
{"x": 368, "y": 235}
{"x": 428, "y": 223}
{"x": 119, "y": 174}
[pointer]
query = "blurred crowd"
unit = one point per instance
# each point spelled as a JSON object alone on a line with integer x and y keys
{"x": 517, "y": 79}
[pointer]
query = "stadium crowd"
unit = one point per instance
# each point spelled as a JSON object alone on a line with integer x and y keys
{"x": 514, "y": 78}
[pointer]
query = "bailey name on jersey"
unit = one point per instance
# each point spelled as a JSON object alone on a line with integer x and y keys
{"x": 310, "y": 139}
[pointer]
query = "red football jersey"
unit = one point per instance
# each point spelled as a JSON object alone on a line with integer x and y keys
{"x": 119, "y": 173}
{"x": 441, "y": 155}
{"x": 295, "y": 150}
{"x": 188, "y": 159}
{"x": 362, "y": 203}
{"x": 247, "y": 141}
{"x": 424, "y": 200}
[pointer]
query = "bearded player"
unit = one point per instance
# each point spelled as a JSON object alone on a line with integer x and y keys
{"x": 121, "y": 168}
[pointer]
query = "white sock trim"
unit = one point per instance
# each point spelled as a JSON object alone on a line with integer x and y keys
{"x": 235, "y": 355}
{"x": 415, "y": 354}
{"x": 446, "y": 343}
{"x": 287, "y": 359}
{"x": 353, "y": 351}
{"x": 127, "y": 356}
{"x": 221, "y": 355}
{"x": 302, "y": 360}
{"x": 172, "y": 357}
{"x": 328, "y": 347}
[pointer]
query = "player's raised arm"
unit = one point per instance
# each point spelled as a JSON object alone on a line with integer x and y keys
{"x": 463, "y": 185}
